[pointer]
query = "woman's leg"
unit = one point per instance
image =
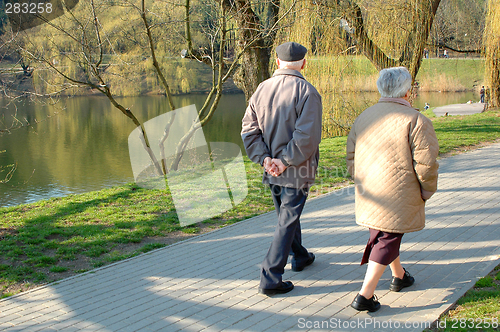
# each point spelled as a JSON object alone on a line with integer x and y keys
{"x": 400, "y": 277}
{"x": 397, "y": 269}
{"x": 381, "y": 250}
{"x": 372, "y": 276}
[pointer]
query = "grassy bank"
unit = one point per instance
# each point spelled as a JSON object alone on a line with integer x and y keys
{"x": 458, "y": 133}
{"x": 477, "y": 310}
{"x": 57, "y": 238}
{"x": 357, "y": 73}
{"x": 328, "y": 74}
{"x": 451, "y": 74}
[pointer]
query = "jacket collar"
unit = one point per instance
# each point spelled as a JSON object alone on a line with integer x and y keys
{"x": 288, "y": 72}
{"x": 394, "y": 100}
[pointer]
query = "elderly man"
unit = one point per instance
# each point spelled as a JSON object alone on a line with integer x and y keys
{"x": 391, "y": 154}
{"x": 281, "y": 131}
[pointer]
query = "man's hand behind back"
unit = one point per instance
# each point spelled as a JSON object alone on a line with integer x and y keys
{"x": 274, "y": 166}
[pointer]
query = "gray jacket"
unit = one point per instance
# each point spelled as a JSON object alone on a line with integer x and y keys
{"x": 283, "y": 120}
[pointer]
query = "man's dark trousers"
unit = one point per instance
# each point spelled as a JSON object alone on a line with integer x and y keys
{"x": 289, "y": 203}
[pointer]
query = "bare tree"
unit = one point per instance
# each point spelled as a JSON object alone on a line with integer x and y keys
{"x": 459, "y": 26}
{"x": 250, "y": 62}
{"x": 254, "y": 39}
{"x": 87, "y": 43}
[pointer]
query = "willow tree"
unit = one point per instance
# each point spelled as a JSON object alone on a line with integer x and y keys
{"x": 350, "y": 41}
{"x": 492, "y": 50}
{"x": 416, "y": 15}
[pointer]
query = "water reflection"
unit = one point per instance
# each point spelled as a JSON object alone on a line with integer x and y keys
{"x": 80, "y": 144}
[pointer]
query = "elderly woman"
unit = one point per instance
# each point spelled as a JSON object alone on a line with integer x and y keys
{"x": 391, "y": 154}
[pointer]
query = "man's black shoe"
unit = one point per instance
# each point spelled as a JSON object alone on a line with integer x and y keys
{"x": 360, "y": 303}
{"x": 285, "y": 287}
{"x": 397, "y": 284}
{"x": 299, "y": 265}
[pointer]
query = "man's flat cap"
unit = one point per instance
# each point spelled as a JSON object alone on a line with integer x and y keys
{"x": 291, "y": 51}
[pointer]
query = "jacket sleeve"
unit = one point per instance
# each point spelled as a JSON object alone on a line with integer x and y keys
{"x": 425, "y": 149}
{"x": 350, "y": 149}
{"x": 251, "y": 135}
{"x": 307, "y": 132}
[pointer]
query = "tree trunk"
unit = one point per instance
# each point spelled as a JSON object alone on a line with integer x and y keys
{"x": 254, "y": 63}
{"x": 253, "y": 70}
{"x": 366, "y": 46}
{"x": 413, "y": 51}
{"x": 492, "y": 49}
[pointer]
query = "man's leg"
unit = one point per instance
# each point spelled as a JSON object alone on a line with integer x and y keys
{"x": 298, "y": 251}
{"x": 290, "y": 208}
{"x": 301, "y": 257}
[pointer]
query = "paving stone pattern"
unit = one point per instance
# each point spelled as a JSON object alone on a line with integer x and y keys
{"x": 209, "y": 283}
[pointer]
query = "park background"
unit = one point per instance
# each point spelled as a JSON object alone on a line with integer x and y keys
{"x": 74, "y": 88}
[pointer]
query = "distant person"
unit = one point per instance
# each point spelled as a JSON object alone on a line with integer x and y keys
{"x": 445, "y": 53}
{"x": 426, "y": 53}
{"x": 481, "y": 94}
{"x": 426, "y": 107}
{"x": 281, "y": 130}
{"x": 391, "y": 154}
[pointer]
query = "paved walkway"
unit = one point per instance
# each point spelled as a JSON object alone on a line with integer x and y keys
{"x": 209, "y": 283}
{"x": 459, "y": 109}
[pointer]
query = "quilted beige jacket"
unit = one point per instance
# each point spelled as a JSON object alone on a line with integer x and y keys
{"x": 391, "y": 154}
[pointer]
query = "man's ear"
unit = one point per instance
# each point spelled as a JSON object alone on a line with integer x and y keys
{"x": 303, "y": 64}
{"x": 278, "y": 62}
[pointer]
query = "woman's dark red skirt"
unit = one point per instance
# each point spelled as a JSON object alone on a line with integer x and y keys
{"x": 382, "y": 247}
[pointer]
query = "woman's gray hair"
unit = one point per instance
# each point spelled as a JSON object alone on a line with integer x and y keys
{"x": 394, "y": 82}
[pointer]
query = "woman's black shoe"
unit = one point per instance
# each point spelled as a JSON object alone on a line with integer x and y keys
{"x": 397, "y": 284}
{"x": 360, "y": 303}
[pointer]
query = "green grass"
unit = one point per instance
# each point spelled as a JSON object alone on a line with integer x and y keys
{"x": 478, "y": 307}
{"x": 455, "y": 132}
{"x": 466, "y": 71}
{"x": 435, "y": 74}
{"x": 95, "y": 226}
{"x": 76, "y": 233}
{"x": 454, "y": 74}
{"x": 58, "y": 269}
{"x": 429, "y": 113}
{"x": 485, "y": 282}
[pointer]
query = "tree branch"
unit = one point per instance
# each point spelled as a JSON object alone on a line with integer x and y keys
{"x": 411, "y": 56}
{"x": 352, "y": 13}
{"x": 443, "y": 45}
{"x": 153, "y": 56}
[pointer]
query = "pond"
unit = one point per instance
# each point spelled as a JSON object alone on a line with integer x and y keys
{"x": 80, "y": 143}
